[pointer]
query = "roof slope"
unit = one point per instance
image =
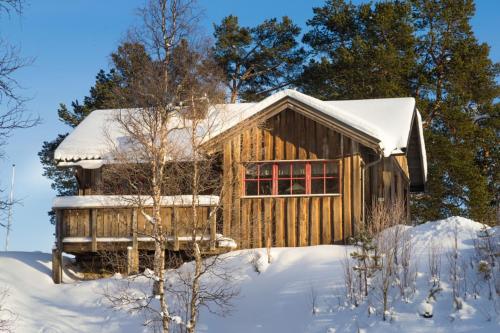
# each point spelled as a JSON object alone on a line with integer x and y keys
{"x": 387, "y": 120}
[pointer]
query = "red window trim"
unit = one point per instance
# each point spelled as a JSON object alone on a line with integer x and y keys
{"x": 307, "y": 177}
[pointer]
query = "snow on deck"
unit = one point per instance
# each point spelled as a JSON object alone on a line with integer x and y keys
{"x": 221, "y": 240}
{"x": 96, "y": 201}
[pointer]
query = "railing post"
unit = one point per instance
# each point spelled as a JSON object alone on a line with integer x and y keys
{"x": 135, "y": 243}
{"x": 213, "y": 228}
{"x": 93, "y": 228}
{"x": 176, "y": 229}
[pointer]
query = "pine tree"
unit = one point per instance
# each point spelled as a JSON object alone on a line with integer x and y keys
{"x": 257, "y": 60}
{"x": 360, "y": 51}
{"x": 426, "y": 49}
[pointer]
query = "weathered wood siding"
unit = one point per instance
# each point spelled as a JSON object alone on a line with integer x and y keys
{"x": 290, "y": 221}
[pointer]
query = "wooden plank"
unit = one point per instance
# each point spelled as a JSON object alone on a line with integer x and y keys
{"x": 290, "y": 149}
{"x": 337, "y": 220}
{"x": 227, "y": 189}
{"x": 59, "y": 228}
{"x": 238, "y": 188}
{"x": 291, "y": 222}
{"x": 135, "y": 242}
{"x": 268, "y": 220}
{"x": 268, "y": 145}
{"x": 280, "y": 221}
{"x": 74, "y": 223}
{"x": 176, "y": 227}
{"x": 257, "y": 143}
{"x": 347, "y": 198}
{"x": 279, "y": 143}
{"x": 303, "y": 221}
{"x": 302, "y": 135}
{"x": 356, "y": 193}
{"x": 257, "y": 223}
{"x": 315, "y": 213}
{"x": 313, "y": 140}
{"x": 245, "y": 224}
{"x": 246, "y": 145}
{"x": 326, "y": 221}
{"x": 93, "y": 223}
{"x": 167, "y": 221}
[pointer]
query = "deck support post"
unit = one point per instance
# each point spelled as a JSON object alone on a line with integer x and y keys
{"x": 57, "y": 266}
{"x": 132, "y": 256}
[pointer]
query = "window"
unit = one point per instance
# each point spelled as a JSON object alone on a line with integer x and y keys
{"x": 291, "y": 178}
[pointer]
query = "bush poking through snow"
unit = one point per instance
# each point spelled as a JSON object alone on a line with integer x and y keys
{"x": 426, "y": 310}
{"x": 259, "y": 262}
{"x": 7, "y": 317}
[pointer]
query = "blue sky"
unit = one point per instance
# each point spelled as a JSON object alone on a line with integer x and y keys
{"x": 70, "y": 41}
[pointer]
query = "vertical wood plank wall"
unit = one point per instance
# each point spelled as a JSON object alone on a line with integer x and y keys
{"x": 290, "y": 221}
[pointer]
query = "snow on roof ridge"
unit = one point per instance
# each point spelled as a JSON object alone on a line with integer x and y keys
{"x": 388, "y": 120}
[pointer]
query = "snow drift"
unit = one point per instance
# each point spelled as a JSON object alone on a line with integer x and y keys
{"x": 278, "y": 299}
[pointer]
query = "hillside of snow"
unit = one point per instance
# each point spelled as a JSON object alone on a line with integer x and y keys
{"x": 278, "y": 299}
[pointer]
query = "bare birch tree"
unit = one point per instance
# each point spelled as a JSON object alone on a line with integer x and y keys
{"x": 176, "y": 87}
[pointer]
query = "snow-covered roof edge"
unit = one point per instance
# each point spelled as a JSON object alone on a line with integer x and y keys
{"x": 423, "y": 152}
{"x": 96, "y": 201}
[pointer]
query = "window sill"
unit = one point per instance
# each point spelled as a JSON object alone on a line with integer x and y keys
{"x": 290, "y": 196}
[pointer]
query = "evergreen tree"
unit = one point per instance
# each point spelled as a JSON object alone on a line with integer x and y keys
{"x": 258, "y": 60}
{"x": 426, "y": 49}
{"x": 360, "y": 51}
{"x": 456, "y": 97}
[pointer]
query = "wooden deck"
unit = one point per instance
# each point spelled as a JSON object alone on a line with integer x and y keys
{"x": 84, "y": 226}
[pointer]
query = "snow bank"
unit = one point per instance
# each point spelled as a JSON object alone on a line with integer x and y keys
{"x": 275, "y": 300}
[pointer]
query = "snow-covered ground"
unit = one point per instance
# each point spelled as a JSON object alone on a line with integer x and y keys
{"x": 276, "y": 300}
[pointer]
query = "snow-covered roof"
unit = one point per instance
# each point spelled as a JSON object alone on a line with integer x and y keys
{"x": 95, "y": 201}
{"x": 387, "y": 121}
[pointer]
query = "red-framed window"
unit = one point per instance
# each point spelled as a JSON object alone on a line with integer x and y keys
{"x": 291, "y": 178}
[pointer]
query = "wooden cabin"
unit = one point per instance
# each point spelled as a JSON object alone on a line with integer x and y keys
{"x": 296, "y": 171}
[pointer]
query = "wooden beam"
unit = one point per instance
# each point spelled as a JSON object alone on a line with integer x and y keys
{"x": 57, "y": 266}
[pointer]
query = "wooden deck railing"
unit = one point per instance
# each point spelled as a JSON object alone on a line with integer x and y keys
{"x": 95, "y": 223}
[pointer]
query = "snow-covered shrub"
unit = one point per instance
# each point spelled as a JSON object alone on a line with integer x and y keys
{"x": 7, "y": 317}
{"x": 487, "y": 246}
{"x": 426, "y": 310}
{"x": 259, "y": 262}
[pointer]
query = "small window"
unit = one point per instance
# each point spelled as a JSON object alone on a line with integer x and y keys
{"x": 291, "y": 178}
